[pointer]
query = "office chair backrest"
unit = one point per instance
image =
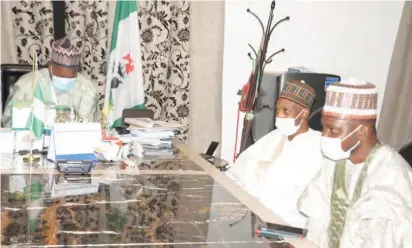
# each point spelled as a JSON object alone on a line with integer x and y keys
{"x": 314, "y": 120}
{"x": 10, "y": 73}
{"x": 136, "y": 113}
{"x": 406, "y": 153}
{"x": 264, "y": 121}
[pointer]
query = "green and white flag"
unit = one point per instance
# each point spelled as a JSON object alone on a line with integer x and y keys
{"x": 38, "y": 112}
{"x": 124, "y": 85}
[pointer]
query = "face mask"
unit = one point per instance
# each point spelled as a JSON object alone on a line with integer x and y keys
{"x": 332, "y": 147}
{"x": 286, "y": 126}
{"x": 63, "y": 84}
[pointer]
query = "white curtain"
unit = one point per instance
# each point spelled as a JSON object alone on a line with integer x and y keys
{"x": 8, "y": 53}
{"x": 395, "y": 125}
{"x": 8, "y": 49}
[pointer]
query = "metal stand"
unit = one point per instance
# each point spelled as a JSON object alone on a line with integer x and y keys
{"x": 267, "y": 33}
{"x": 259, "y": 63}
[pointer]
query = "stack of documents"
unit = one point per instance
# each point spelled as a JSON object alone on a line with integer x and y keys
{"x": 155, "y": 137}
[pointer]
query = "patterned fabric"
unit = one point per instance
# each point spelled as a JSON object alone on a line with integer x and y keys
{"x": 33, "y": 30}
{"x": 339, "y": 205}
{"x": 351, "y": 100}
{"x": 64, "y": 53}
{"x": 83, "y": 97}
{"x": 165, "y": 33}
{"x": 87, "y": 26}
{"x": 340, "y": 201}
{"x": 299, "y": 92}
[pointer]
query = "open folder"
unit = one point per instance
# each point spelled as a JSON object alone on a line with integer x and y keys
{"x": 74, "y": 141}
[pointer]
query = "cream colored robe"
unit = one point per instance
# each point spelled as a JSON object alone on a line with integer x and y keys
{"x": 278, "y": 180}
{"x": 381, "y": 218}
{"x": 83, "y": 97}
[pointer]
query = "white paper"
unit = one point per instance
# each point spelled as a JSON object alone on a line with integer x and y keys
{"x": 24, "y": 142}
{"x": 6, "y": 161}
{"x": 49, "y": 118}
{"x": 147, "y": 123}
{"x": 51, "y": 154}
{"x": 6, "y": 141}
{"x": 20, "y": 115}
{"x": 141, "y": 122}
{"x": 73, "y": 138}
{"x": 107, "y": 151}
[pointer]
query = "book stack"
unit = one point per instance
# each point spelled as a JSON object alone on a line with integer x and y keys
{"x": 155, "y": 137}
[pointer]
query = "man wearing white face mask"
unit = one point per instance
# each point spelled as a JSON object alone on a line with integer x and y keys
{"x": 61, "y": 85}
{"x": 278, "y": 167}
{"x": 362, "y": 196}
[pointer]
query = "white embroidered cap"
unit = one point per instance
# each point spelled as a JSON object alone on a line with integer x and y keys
{"x": 351, "y": 99}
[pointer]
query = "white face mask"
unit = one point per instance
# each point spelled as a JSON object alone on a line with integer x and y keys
{"x": 332, "y": 147}
{"x": 62, "y": 84}
{"x": 286, "y": 126}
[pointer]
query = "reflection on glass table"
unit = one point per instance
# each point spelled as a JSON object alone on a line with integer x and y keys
{"x": 180, "y": 162}
{"x": 162, "y": 210}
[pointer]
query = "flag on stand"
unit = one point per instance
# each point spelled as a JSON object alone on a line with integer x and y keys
{"x": 124, "y": 84}
{"x": 38, "y": 111}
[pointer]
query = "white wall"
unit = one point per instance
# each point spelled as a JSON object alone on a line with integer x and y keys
{"x": 206, "y": 49}
{"x": 346, "y": 38}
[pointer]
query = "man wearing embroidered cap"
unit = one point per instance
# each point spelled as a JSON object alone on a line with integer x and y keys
{"x": 61, "y": 86}
{"x": 362, "y": 196}
{"x": 278, "y": 167}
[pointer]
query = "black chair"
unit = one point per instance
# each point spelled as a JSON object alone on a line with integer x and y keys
{"x": 10, "y": 73}
{"x": 406, "y": 153}
{"x": 314, "y": 120}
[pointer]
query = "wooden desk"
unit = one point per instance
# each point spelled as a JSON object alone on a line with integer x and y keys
{"x": 177, "y": 202}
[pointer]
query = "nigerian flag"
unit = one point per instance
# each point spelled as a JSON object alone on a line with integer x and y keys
{"x": 124, "y": 84}
{"x": 38, "y": 112}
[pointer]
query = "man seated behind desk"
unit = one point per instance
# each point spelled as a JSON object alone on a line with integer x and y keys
{"x": 61, "y": 85}
{"x": 278, "y": 167}
{"x": 362, "y": 197}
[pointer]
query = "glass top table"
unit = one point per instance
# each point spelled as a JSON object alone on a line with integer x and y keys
{"x": 167, "y": 202}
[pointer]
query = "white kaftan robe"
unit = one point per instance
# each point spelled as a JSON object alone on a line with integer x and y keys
{"x": 278, "y": 181}
{"x": 381, "y": 218}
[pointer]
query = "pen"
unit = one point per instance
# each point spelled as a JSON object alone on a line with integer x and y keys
{"x": 270, "y": 233}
